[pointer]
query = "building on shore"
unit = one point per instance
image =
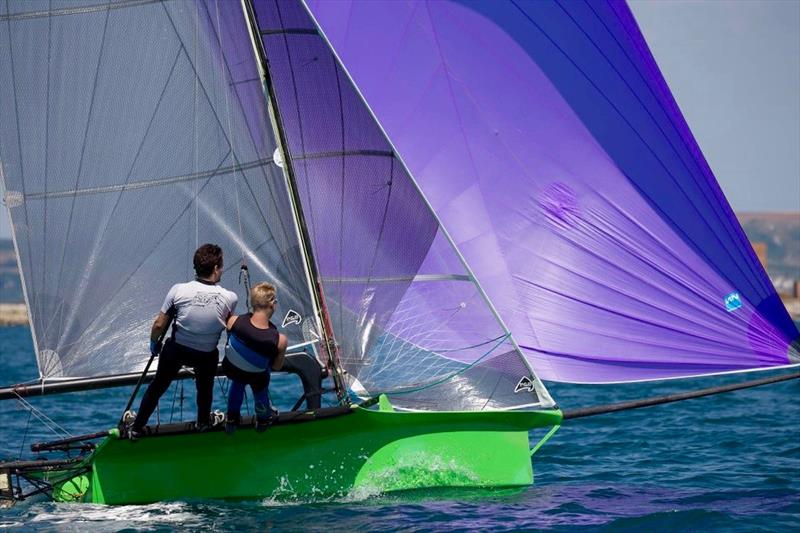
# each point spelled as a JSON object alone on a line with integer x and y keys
{"x": 788, "y": 292}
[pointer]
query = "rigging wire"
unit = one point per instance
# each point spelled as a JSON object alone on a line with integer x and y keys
{"x": 24, "y": 436}
{"x": 48, "y": 422}
{"x": 438, "y": 381}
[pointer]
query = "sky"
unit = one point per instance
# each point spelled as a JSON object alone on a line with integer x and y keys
{"x": 734, "y": 69}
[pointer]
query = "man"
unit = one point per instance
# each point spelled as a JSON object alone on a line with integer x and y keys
{"x": 200, "y": 310}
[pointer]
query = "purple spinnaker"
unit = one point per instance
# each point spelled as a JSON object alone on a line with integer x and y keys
{"x": 547, "y": 141}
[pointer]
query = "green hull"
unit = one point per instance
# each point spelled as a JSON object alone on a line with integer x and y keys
{"x": 369, "y": 451}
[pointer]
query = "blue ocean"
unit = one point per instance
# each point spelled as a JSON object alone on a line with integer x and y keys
{"x": 728, "y": 462}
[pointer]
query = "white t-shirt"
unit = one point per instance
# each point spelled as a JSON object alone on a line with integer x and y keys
{"x": 201, "y": 310}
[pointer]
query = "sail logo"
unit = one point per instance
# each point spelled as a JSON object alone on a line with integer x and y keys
{"x": 292, "y": 317}
{"x": 733, "y": 302}
{"x": 525, "y": 384}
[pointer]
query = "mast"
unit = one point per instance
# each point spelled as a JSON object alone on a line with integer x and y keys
{"x": 309, "y": 265}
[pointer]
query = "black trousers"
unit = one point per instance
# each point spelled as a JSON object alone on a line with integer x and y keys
{"x": 170, "y": 361}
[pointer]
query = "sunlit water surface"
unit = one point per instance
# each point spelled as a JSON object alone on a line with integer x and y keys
{"x": 728, "y": 462}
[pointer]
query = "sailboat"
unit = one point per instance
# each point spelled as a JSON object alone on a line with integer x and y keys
{"x": 455, "y": 200}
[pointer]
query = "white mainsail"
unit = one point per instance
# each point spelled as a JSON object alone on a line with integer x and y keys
{"x": 133, "y": 132}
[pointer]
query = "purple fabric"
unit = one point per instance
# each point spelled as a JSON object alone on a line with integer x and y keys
{"x": 547, "y": 141}
{"x": 371, "y": 231}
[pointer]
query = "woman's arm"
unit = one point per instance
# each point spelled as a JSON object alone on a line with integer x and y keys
{"x": 231, "y": 320}
{"x": 277, "y": 364}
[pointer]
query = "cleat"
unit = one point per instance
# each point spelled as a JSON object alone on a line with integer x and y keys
{"x": 133, "y": 434}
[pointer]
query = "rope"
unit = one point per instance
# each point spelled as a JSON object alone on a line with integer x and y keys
{"x": 244, "y": 276}
{"x": 669, "y": 398}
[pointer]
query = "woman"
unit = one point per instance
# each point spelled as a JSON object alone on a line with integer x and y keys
{"x": 254, "y": 348}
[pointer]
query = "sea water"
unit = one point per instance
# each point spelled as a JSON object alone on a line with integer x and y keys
{"x": 727, "y": 462}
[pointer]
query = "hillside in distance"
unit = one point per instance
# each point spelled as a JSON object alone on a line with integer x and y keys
{"x": 10, "y": 287}
{"x": 781, "y": 233}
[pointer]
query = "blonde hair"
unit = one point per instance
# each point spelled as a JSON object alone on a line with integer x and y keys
{"x": 262, "y": 296}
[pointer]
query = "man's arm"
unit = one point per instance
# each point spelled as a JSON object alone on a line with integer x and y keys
{"x": 160, "y": 325}
{"x": 277, "y": 364}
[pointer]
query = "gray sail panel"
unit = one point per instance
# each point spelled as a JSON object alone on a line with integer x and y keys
{"x": 130, "y": 133}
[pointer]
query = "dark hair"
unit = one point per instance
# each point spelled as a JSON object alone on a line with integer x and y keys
{"x": 206, "y": 258}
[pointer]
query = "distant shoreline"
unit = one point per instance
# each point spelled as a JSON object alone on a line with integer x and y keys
{"x": 777, "y": 216}
{"x": 13, "y": 315}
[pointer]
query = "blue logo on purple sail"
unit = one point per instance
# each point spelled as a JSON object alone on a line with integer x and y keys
{"x": 733, "y": 302}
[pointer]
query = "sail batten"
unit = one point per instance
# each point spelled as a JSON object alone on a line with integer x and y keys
{"x": 143, "y": 183}
{"x": 77, "y": 10}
